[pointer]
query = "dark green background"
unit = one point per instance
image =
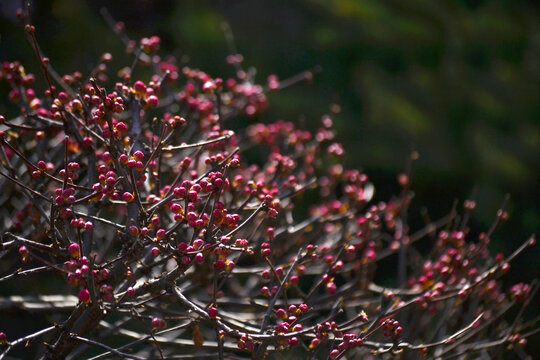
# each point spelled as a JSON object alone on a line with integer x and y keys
{"x": 456, "y": 80}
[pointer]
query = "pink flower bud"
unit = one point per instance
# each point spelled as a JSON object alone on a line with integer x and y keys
{"x": 331, "y": 288}
{"x": 84, "y": 296}
{"x": 152, "y": 100}
{"x": 213, "y": 312}
{"x": 128, "y": 197}
{"x": 160, "y": 234}
{"x": 74, "y": 250}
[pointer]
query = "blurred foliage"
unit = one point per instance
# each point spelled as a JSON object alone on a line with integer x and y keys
{"x": 456, "y": 80}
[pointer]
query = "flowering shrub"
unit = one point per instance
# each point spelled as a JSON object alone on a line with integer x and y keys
{"x": 172, "y": 231}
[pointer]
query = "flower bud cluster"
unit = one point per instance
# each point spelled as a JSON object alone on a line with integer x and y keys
{"x": 158, "y": 210}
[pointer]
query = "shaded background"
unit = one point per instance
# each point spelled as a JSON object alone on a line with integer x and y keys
{"x": 456, "y": 80}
